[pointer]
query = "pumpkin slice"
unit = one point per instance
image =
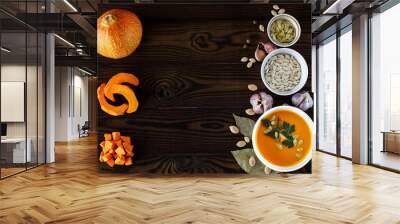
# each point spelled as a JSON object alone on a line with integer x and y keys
{"x": 107, "y": 137}
{"x": 116, "y": 135}
{"x": 126, "y": 139}
{"x": 129, "y": 95}
{"x": 110, "y": 162}
{"x": 120, "y": 161}
{"x": 119, "y": 79}
{"x": 108, "y": 108}
{"x": 128, "y": 161}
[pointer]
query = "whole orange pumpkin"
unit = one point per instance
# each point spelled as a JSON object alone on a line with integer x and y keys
{"x": 119, "y": 33}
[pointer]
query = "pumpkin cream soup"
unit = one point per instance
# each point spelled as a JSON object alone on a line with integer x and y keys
{"x": 284, "y": 138}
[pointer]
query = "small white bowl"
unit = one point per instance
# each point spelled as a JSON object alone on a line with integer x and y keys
{"x": 303, "y": 66}
{"x": 274, "y": 166}
{"x": 295, "y": 24}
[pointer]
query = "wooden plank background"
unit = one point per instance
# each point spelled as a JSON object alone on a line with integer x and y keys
{"x": 191, "y": 81}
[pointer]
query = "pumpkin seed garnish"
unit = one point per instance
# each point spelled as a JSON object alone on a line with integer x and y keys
{"x": 252, "y": 60}
{"x": 281, "y": 11}
{"x": 250, "y": 112}
{"x": 240, "y": 144}
{"x": 261, "y": 27}
{"x": 246, "y": 139}
{"x": 274, "y": 13}
{"x": 244, "y": 59}
{"x": 252, "y": 161}
{"x": 252, "y": 87}
{"x": 234, "y": 129}
{"x": 249, "y": 64}
{"x": 276, "y": 7}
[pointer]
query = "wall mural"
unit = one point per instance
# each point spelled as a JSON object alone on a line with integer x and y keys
{"x": 205, "y": 88}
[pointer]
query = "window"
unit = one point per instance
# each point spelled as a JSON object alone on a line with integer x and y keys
{"x": 385, "y": 89}
{"x": 346, "y": 93}
{"x": 326, "y": 111}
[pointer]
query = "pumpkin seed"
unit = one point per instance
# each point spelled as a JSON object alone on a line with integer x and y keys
{"x": 301, "y": 142}
{"x": 252, "y": 60}
{"x": 252, "y": 161}
{"x": 280, "y": 146}
{"x": 234, "y": 129}
{"x": 240, "y": 144}
{"x": 276, "y": 7}
{"x": 247, "y": 41}
{"x": 244, "y": 59}
{"x": 299, "y": 150}
{"x": 246, "y": 139}
{"x": 261, "y": 27}
{"x": 249, "y": 64}
{"x": 254, "y": 22}
{"x": 252, "y": 87}
{"x": 267, "y": 170}
{"x": 244, "y": 45}
{"x": 281, "y": 11}
{"x": 298, "y": 155}
{"x": 274, "y": 13}
{"x": 250, "y": 112}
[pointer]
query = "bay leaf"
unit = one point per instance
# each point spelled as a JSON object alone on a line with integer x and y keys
{"x": 242, "y": 157}
{"x": 245, "y": 125}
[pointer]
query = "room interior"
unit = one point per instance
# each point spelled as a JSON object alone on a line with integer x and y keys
{"x": 54, "y": 125}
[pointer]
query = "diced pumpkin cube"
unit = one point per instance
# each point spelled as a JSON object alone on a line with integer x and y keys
{"x": 120, "y": 151}
{"x": 126, "y": 139}
{"x": 102, "y": 144}
{"x": 110, "y": 162}
{"x": 129, "y": 154}
{"x": 120, "y": 161}
{"x": 108, "y": 145}
{"x": 118, "y": 143}
{"x": 127, "y": 147}
{"x": 116, "y": 135}
{"x": 115, "y": 155}
{"x": 128, "y": 161}
{"x": 101, "y": 156}
{"x": 106, "y": 157}
{"x": 107, "y": 137}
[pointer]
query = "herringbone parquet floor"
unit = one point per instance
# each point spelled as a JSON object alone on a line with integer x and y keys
{"x": 72, "y": 191}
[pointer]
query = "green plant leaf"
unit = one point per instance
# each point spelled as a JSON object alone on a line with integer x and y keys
{"x": 242, "y": 157}
{"x": 245, "y": 125}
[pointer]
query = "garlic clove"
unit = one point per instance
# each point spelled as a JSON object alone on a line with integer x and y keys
{"x": 268, "y": 47}
{"x": 266, "y": 100}
{"x": 303, "y": 100}
{"x": 255, "y": 99}
{"x": 259, "y": 54}
{"x": 258, "y": 109}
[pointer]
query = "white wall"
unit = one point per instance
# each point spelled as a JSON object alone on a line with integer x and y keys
{"x": 71, "y": 102}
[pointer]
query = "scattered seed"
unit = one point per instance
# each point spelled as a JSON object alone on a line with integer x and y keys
{"x": 240, "y": 144}
{"x": 244, "y": 59}
{"x": 276, "y": 7}
{"x": 234, "y": 129}
{"x": 299, "y": 150}
{"x": 244, "y": 45}
{"x": 274, "y": 13}
{"x": 252, "y": 60}
{"x": 261, "y": 27}
{"x": 281, "y": 11}
{"x": 252, "y": 87}
{"x": 298, "y": 155}
{"x": 249, "y": 64}
{"x": 246, "y": 139}
{"x": 247, "y": 41}
{"x": 250, "y": 112}
{"x": 254, "y": 22}
{"x": 252, "y": 161}
{"x": 267, "y": 170}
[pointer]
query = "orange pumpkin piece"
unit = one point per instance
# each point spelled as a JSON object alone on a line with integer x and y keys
{"x": 110, "y": 162}
{"x": 119, "y": 33}
{"x": 107, "y": 137}
{"x": 128, "y": 94}
{"x": 108, "y": 145}
{"x": 106, "y": 157}
{"x": 127, "y": 146}
{"x": 120, "y": 151}
{"x": 115, "y": 155}
{"x": 119, "y": 79}
{"x": 129, "y": 154}
{"x": 102, "y": 144}
{"x": 108, "y": 108}
{"x": 101, "y": 156}
{"x": 128, "y": 161}
{"x": 116, "y": 135}
{"x": 126, "y": 139}
{"x": 120, "y": 161}
{"x": 118, "y": 143}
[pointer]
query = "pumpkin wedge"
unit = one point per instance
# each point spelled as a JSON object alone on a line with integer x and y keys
{"x": 119, "y": 79}
{"x": 128, "y": 94}
{"x": 108, "y": 108}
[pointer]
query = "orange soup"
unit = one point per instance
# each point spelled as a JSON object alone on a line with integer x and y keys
{"x": 284, "y": 138}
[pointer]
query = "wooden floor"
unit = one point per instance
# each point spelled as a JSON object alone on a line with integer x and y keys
{"x": 73, "y": 191}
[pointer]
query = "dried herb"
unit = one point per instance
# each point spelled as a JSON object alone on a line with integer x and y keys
{"x": 245, "y": 125}
{"x": 248, "y": 161}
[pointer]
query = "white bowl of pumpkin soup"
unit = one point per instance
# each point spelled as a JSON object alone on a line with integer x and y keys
{"x": 283, "y": 138}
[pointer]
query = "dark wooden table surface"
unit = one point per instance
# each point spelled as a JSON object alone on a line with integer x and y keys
{"x": 191, "y": 81}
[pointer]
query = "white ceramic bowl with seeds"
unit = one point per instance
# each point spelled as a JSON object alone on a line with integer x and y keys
{"x": 295, "y": 24}
{"x": 292, "y": 63}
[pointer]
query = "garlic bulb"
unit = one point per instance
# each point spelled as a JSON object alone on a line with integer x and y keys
{"x": 303, "y": 100}
{"x": 261, "y": 102}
